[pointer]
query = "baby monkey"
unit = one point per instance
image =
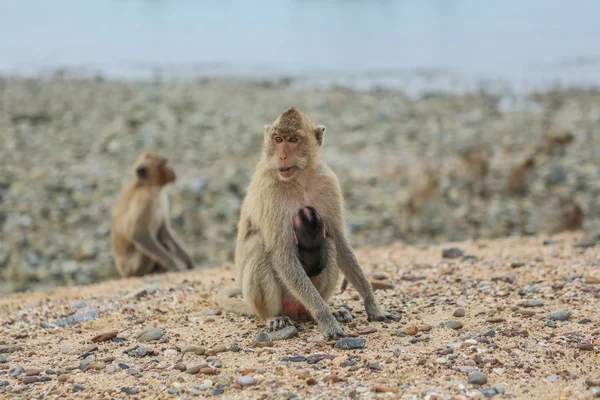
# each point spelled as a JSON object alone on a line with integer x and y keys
{"x": 141, "y": 236}
{"x": 311, "y": 238}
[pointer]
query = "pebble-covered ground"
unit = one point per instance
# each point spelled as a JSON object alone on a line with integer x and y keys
{"x": 418, "y": 170}
{"x": 512, "y": 318}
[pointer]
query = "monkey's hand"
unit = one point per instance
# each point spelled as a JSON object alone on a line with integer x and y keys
{"x": 375, "y": 314}
{"x": 333, "y": 332}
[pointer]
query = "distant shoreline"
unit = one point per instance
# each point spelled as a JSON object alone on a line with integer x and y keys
{"x": 414, "y": 82}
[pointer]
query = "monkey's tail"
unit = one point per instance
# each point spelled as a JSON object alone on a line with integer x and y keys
{"x": 228, "y": 303}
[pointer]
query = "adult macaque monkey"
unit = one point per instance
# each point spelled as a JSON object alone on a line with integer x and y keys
{"x": 141, "y": 237}
{"x": 290, "y": 176}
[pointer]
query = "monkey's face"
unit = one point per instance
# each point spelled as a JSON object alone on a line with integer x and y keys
{"x": 155, "y": 173}
{"x": 288, "y": 153}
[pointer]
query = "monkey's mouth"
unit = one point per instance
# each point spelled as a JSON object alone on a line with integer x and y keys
{"x": 287, "y": 171}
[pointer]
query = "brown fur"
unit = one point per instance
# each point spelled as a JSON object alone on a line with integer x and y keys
{"x": 570, "y": 220}
{"x": 141, "y": 236}
{"x": 516, "y": 182}
{"x": 273, "y": 282}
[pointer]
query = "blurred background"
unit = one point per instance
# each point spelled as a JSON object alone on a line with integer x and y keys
{"x": 448, "y": 120}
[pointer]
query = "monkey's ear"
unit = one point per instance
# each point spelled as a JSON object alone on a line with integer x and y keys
{"x": 142, "y": 172}
{"x": 319, "y": 133}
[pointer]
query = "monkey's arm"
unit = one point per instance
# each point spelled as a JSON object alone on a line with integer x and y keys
{"x": 294, "y": 278}
{"x": 350, "y": 267}
{"x": 144, "y": 242}
{"x": 166, "y": 235}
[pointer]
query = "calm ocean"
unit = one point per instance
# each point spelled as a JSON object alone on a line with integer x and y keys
{"x": 526, "y": 41}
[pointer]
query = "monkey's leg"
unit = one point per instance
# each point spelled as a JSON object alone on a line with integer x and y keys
{"x": 138, "y": 264}
{"x": 262, "y": 290}
{"x": 151, "y": 248}
{"x": 289, "y": 270}
{"x": 169, "y": 241}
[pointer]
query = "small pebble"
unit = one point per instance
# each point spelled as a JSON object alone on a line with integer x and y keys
{"x": 63, "y": 378}
{"x": 452, "y": 252}
{"x": 4, "y": 383}
{"x": 32, "y": 371}
{"x": 78, "y": 305}
{"x": 66, "y": 349}
{"x": 412, "y": 330}
{"x": 4, "y": 358}
{"x": 593, "y": 382}
{"x": 171, "y": 353}
{"x": 366, "y": 331}
{"x": 441, "y": 360}
{"x": 85, "y": 362}
{"x": 103, "y": 337}
{"x": 218, "y": 391}
{"x": 180, "y": 367}
{"x": 500, "y": 389}
{"x": 30, "y": 379}
{"x": 585, "y": 321}
{"x": 193, "y": 349}
{"x": 79, "y": 317}
{"x": 286, "y": 333}
{"x": 489, "y": 392}
{"x": 477, "y": 378}
{"x": 16, "y": 372}
{"x": 563, "y": 315}
{"x": 495, "y": 320}
{"x": 133, "y": 371}
{"x": 195, "y": 369}
{"x": 245, "y": 381}
{"x": 144, "y": 351}
{"x": 585, "y": 346}
{"x": 459, "y": 313}
{"x": 349, "y": 343}
{"x": 150, "y": 334}
{"x": 235, "y": 348}
{"x": 175, "y": 391}
{"x": 531, "y": 303}
{"x": 453, "y": 325}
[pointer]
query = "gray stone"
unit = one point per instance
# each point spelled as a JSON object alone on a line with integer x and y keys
{"x": 144, "y": 351}
{"x": 84, "y": 364}
{"x": 349, "y": 343}
{"x": 477, "y": 378}
{"x": 452, "y": 252}
{"x": 245, "y": 381}
{"x": 285, "y": 333}
{"x": 81, "y": 316}
{"x": 453, "y": 325}
{"x": 563, "y": 315}
{"x": 150, "y": 334}
{"x": 78, "y": 304}
{"x": 4, "y": 358}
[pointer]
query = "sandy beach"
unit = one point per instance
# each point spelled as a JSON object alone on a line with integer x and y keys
{"x": 509, "y": 318}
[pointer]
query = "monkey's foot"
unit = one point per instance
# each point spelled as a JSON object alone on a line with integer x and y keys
{"x": 278, "y": 323}
{"x": 379, "y": 315}
{"x": 342, "y": 315}
{"x": 334, "y": 335}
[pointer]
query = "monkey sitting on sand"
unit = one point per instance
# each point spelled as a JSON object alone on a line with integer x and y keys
{"x": 290, "y": 176}
{"x": 141, "y": 237}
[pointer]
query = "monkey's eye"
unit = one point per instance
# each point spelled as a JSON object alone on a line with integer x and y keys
{"x": 293, "y": 139}
{"x": 278, "y": 139}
